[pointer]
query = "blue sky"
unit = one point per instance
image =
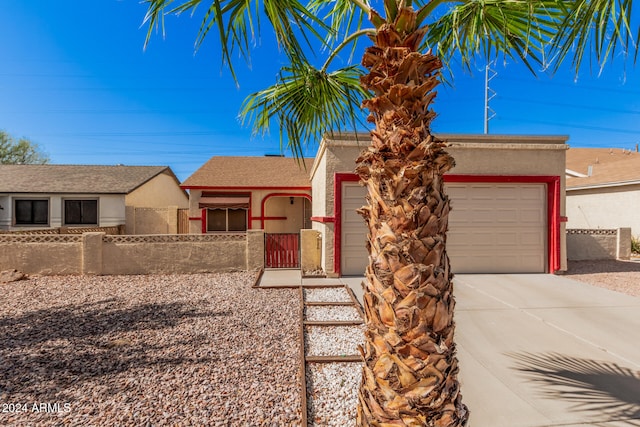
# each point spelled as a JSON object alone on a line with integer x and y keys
{"x": 75, "y": 79}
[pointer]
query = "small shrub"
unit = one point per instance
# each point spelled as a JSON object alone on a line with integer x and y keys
{"x": 635, "y": 245}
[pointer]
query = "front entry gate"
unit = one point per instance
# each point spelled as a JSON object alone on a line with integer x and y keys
{"x": 282, "y": 250}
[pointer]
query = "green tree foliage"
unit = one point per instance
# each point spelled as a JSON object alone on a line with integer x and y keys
{"x": 20, "y": 152}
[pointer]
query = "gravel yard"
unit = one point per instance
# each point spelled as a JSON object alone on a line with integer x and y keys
{"x": 201, "y": 349}
{"x": 619, "y": 276}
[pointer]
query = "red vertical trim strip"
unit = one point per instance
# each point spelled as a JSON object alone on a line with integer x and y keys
{"x": 203, "y": 213}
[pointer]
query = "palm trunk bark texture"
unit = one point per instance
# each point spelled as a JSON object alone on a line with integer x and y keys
{"x": 410, "y": 367}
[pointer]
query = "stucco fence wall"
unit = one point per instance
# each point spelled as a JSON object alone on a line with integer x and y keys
{"x": 167, "y": 220}
{"x": 595, "y": 244}
{"x": 98, "y": 253}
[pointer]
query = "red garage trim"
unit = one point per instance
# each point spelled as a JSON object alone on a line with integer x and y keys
{"x": 553, "y": 208}
{"x": 262, "y": 216}
{"x": 338, "y": 179}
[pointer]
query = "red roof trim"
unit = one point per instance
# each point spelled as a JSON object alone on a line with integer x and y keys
{"x": 206, "y": 187}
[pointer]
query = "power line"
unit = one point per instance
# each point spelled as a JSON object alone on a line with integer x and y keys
{"x": 569, "y": 125}
{"x": 561, "y": 104}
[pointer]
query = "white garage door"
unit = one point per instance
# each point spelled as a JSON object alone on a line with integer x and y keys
{"x": 353, "y": 256}
{"x": 497, "y": 228}
{"x": 493, "y": 228}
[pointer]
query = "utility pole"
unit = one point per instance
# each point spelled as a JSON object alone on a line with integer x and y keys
{"x": 489, "y": 94}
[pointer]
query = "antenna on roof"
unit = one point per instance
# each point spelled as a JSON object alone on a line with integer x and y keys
{"x": 489, "y": 94}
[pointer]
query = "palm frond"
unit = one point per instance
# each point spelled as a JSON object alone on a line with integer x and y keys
{"x": 596, "y": 27}
{"x": 343, "y": 17}
{"x": 518, "y": 29}
{"x": 237, "y": 23}
{"x": 306, "y": 103}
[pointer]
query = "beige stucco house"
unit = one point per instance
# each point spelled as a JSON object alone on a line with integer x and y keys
{"x": 603, "y": 189}
{"x": 50, "y": 196}
{"x": 508, "y": 204}
{"x": 508, "y": 200}
{"x": 236, "y": 194}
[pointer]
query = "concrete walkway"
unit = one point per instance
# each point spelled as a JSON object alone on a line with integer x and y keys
{"x": 540, "y": 350}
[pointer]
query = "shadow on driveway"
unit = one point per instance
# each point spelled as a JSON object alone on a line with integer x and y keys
{"x": 597, "y": 387}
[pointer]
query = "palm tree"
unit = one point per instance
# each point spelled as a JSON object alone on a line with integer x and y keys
{"x": 410, "y": 367}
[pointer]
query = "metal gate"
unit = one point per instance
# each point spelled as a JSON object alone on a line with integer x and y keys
{"x": 282, "y": 250}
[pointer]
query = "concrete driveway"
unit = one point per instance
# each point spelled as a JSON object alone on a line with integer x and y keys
{"x": 542, "y": 350}
{"x": 539, "y": 350}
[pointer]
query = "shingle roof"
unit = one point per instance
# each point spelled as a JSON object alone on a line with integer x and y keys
{"x": 608, "y": 166}
{"x": 75, "y": 179}
{"x": 251, "y": 172}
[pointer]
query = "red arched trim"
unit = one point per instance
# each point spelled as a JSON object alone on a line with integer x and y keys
{"x": 262, "y": 216}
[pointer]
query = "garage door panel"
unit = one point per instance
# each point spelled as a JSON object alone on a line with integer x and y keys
{"x": 511, "y": 236}
{"x": 353, "y": 253}
{"x": 493, "y": 228}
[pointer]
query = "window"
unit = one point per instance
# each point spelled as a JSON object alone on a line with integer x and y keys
{"x": 80, "y": 212}
{"x": 227, "y": 219}
{"x": 32, "y": 212}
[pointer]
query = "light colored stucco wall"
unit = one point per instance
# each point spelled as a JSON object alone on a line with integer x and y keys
{"x": 281, "y": 207}
{"x": 604, "y": 208}
{"x": 264, "y": 203}
{"x": 159, "y": 192}
{"x": 5, "y": 212}
{"x": 111, "y": 209}
{"x": 474, "y": 155}
{"x": 49, "y": 254}
{"x": 97, "y": 253}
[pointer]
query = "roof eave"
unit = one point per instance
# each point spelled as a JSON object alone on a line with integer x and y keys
{"x": 604, "y": 185}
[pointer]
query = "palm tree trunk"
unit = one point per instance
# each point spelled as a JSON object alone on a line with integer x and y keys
{"x": 410, "y": 370}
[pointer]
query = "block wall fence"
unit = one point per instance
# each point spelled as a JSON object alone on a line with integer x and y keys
{"x": 98, "y": 253}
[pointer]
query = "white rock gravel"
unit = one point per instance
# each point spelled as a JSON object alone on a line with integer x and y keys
{"x": 201, "y": 349}
{"x": 327, "y": 295}
{"x": 332, "y": 393}
{"x": 333, "y": 340}
{"x": 329, "y": 313}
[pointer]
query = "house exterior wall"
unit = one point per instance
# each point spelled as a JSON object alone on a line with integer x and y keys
{"x": 474, "y": 155}
{"x": 159, "y": 192}
{"x": 604, "y": 208}
{"x": 111, "y": 209}
{"x": 269, "y": 208}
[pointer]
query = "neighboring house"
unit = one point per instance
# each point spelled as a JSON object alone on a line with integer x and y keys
{"x": 236, "y": 194}
{"x": 507, "y": 198}
{"x": 49, "y": 196}
{"x": 603, "y": 189}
